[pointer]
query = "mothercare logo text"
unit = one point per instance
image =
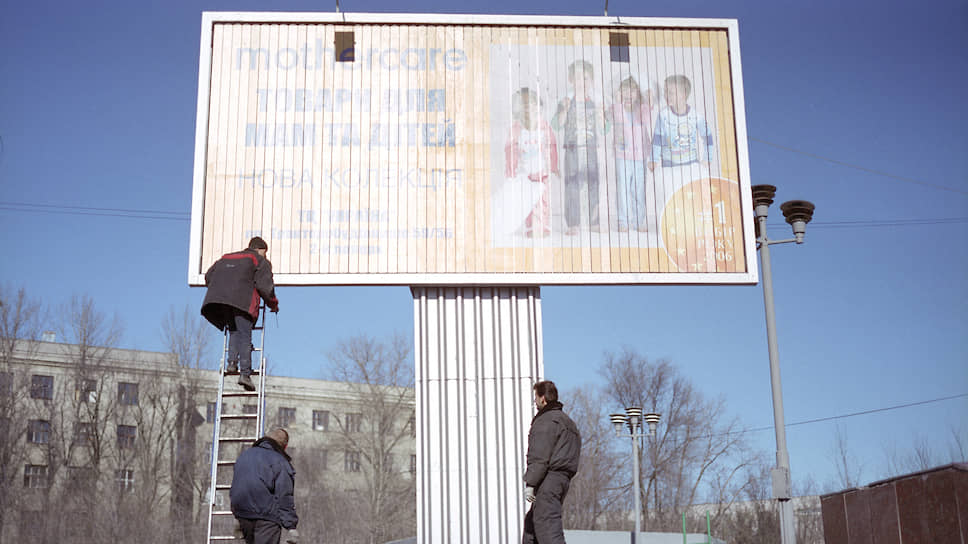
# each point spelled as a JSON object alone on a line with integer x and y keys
{"x": 316, "y": 56}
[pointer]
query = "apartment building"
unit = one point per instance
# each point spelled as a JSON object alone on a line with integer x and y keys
{"x": 81, "y": 423}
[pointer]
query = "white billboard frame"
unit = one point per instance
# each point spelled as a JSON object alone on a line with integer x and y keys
{"x": 731, "y": 26}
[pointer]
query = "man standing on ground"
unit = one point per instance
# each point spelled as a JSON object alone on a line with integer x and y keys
{"x": 554, "y": 448}
{"x": 262, "y": 490}
{"x": 235, "y": 282}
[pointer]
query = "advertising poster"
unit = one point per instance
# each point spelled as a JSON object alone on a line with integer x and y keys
{"x": 404, "y": 153}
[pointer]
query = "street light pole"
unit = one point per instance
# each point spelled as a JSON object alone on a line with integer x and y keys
{"x": 631, "y": 421}
{"x": 798, "y": 213}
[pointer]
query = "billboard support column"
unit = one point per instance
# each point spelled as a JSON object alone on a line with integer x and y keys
{"x": 477, "y": 353}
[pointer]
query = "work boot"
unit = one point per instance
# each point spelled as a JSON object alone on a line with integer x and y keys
{"x": 232, "y": 367}
{"x": 246, "y": 382}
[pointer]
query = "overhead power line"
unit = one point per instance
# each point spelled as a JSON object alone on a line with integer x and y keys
{"x": 862, "y": 168}
{"x": 86, "y": 210}
{"x": 879, "y": 223}
{"x": 861, "y": 413}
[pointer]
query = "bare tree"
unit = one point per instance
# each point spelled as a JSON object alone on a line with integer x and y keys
{"x": 697, "y": 451}
{"x": 593, "y": 502}
{"x": 187, "y": 337}
{"x": 21, "y": 319}
{"x": 849, "y": 468}
{"x": 380, "y": 375}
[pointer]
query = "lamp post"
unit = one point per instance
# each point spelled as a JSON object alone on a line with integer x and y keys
{"x": 630, "y": 424}
{"x": 797, "y": 213}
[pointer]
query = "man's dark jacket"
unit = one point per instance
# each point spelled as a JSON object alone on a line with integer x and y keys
{"x": 554, "y": 445}
{"x": 262, "y": 486}
{"x": 237, "y": 280}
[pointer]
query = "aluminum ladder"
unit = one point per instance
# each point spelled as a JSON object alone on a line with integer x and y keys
{"x": 237, "y": 426}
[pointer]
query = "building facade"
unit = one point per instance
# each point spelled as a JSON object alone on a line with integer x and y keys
{"x": 117, "y": 441}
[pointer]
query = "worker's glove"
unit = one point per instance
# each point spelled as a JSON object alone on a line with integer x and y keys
{"x": 274, "y": 306}
{"x": 529, "y": 494}
{"x": 292, "y": 536}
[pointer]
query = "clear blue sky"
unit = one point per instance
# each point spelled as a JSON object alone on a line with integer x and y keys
{"x": 97, "y": 110}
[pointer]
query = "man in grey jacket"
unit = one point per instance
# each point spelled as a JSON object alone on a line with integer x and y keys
{"x": 262, "y": 490}
{"x": 554, "y": 449}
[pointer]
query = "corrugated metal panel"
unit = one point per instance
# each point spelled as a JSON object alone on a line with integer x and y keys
{"x": 474, "y": 154}
{"x": 834, "y": 519}
{"x": 478, "y": 352}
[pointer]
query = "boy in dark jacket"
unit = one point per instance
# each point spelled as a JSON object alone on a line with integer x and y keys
{"x": 262, "y": 490}
{"x": 554, "y": 449}
{"x": 235, "y": 282}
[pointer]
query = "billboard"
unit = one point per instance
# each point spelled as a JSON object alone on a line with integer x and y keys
{"x": 471, "y": 150}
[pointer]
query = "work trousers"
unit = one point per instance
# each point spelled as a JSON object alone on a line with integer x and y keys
{"x": 240, "y": 342}
{"x": 260, "y": 531}
{"x": 542, "y": 524}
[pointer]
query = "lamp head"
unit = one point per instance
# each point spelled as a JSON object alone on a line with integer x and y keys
{"x": 652, "y": 420}
{"x": 798, "y": 213}
{"x": 762, "y": 198}
{"x": 618, "y": 422}
{"x": 634, "y": 414}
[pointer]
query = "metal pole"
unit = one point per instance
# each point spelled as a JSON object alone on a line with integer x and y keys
{"x": 635, "y": 478}
{"x": 781, "y": 474}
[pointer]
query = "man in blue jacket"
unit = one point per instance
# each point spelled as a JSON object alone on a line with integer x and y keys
{"x": 554, "y": 450}
{"x": 262, "y": 490}
{"x": 235, "y": 283}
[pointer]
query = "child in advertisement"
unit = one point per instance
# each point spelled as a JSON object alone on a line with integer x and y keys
{"x": 630, "y": 117}
{"x": 679, "y": 129}
{"x": 577, "y": 120}
{"x": 531, "y": 157}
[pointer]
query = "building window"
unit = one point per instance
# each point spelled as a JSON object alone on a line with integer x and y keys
{"x": 85, "y": 390}
{"x": 413, "y": 464}
{"x": 83, "y": 434}
{"x": 35, "y": 476}
{"x": 413, "y": 426}
{"x": 354, "y": 423}
{"x": 210, "y": 413}
{"x": 286, "y": 416}
{"x": 351, "y": 461}
{"x": 6, "y": 384}
{"x": 41, "y": 387}
{"x": 250, "y": 408}
{"x": 38, "y": 431}
{"x": 125, "y": 478}
{"x": 32, "y": 522}
{"x": 126, "y": 436}
{"x": 321, "y": 420}
{"x": 80, "y": 479}
{"x": 128, "y": 393}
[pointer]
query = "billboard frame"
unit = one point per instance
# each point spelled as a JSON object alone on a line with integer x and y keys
{"x": 731, "y": 26}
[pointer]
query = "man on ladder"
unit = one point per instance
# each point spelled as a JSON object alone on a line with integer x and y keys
{"x": 235, "y": 282}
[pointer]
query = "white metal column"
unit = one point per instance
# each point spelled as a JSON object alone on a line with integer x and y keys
{"x": 478, "y": 352}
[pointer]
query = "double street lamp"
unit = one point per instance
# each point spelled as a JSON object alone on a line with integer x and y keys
{"x": 797, "y": 213}
{"x": 629, "y": 425}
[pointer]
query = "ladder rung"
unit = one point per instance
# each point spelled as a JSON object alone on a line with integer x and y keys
{"x": 239, "y": 416}
{"x": 233, "y": 538}
{"x": 222, "y": 487}
{"x": 240, "y": 394}
{"x": 239, "y": 439}
{"x": 221, "y": 512}
{"x": 225, "y": 463}
{"x": 255, "y": 372}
